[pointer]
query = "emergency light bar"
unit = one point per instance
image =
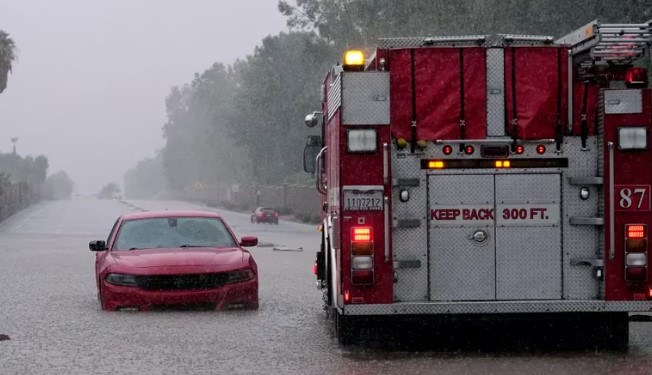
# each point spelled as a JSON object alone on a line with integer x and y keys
{"x": 492, "y": 164}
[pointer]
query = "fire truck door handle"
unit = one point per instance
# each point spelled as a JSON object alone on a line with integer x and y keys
{"x": 386, "y": 209}
{"x": 385, "y": 163}
{"x": 612, "y": 240}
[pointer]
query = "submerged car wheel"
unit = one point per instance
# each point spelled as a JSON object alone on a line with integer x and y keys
{"x": 101, "y": 298}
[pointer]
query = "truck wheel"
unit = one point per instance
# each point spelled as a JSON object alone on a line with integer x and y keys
{"x": 344, "y": 329}
{"x": 618, "y": 331}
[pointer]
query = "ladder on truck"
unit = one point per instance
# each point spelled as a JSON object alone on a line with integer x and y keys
{"x": 607, "y": 44}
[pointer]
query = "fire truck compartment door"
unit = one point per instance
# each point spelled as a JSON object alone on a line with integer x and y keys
{"x": 462, "y": 246}
{"x": 494, "y": 237}
{"x": 528, "y": 237}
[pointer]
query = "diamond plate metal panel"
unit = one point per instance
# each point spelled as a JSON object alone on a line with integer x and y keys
{"x": 335, "y": 97}
{"x": 528, "y": 259}
{"x": 452, "y": 41}
{"x": 521, "y": 307}
{"x": 365, "y": 98}
{"x": 460, "y": 268}
{"x": 527, "y": 188}
{"x": 528, "y": 263}
{"x": 410, "y": 244}
{"x": 495, "y": 92}
{"x": 580, "y": 241}
{"x": 623, "y": 101}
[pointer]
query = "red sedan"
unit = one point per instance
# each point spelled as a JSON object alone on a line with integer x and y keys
{"x": 160, "y": 259}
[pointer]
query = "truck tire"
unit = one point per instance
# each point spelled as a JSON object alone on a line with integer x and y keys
{"x": 617, "y": 331}
{"x": 345, "y": 329}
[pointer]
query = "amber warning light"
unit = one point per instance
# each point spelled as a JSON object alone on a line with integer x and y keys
{"x": 353, "y": 60}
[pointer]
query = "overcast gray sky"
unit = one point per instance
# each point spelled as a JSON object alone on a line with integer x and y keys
{"x": 89, "y": 85}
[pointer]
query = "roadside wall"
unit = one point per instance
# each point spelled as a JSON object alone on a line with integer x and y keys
{"x": 14, "y": 197}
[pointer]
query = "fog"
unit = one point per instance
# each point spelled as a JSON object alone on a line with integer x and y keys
{"x": 91, "y": 77}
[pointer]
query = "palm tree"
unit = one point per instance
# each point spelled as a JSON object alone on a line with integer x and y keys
{"x": 7, "y": 57}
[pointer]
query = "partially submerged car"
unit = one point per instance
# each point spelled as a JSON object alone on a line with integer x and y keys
{"x": 265, "y": 215}
{"x": 154, "y": 260}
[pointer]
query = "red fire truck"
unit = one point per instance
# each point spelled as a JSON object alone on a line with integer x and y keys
{"x": 506, "y": 174}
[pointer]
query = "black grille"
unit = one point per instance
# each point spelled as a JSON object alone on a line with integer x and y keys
{"x": 182, "y": 282}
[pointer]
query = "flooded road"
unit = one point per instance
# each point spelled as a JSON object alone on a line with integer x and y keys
{"x": 48, "y": 308}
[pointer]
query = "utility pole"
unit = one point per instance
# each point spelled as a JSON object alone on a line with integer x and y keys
{"x": 14, "y": 140}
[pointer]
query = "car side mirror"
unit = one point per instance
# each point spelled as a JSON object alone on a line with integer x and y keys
{"x": 98, "y": 245}
{"x": 249, "y": 241}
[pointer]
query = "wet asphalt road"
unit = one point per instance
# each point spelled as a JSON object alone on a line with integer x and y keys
{"x": 49, "y": 309}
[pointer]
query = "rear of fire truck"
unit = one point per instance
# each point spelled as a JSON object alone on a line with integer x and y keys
{"x": 488, "y": 175}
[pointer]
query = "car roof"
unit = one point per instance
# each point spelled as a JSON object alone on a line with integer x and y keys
{"x": 169, "y": 213}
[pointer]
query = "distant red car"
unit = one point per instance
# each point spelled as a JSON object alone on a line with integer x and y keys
{"x": 264, "y": 215}
{"x": 160, "y": 259}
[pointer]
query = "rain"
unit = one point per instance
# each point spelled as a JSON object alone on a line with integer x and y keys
{"x": 430, "y": 218}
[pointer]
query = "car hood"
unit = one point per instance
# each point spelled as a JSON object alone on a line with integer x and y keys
{"x": 205, "y": 257}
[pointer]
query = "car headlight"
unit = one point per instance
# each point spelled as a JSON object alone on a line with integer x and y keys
{"x": 120, "y": 279}
{"x": 239, "y": 276}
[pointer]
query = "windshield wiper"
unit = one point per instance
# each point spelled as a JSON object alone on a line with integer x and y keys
{"x": 191, "y": 246}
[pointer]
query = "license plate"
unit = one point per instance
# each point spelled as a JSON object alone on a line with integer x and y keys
{"x": 355, "y": 200}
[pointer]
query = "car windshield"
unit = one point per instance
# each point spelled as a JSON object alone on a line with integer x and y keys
{"x": 173, "y": 233}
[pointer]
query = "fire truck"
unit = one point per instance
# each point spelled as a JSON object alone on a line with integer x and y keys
{"x": 494, "y": 175}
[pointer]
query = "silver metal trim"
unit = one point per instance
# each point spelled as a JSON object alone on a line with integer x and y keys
{"x": 318, "y": 172}
{"x": 595, "y": 262}
{"x": 612, "y": 209}
{"x": 385, "y": 163}
{"x": 431, "y": 41}
{"x": 363, "y": 187}
{"x": 570, "y": 92}
{"x": 585, "y": 181}
{"x": 386, "y": 213}
{"x": 579, "y": 220}
{"x": 554, "y": 306}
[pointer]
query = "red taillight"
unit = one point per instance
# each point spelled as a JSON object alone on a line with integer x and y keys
{"x": 636, "y": 231}
{"x": 469, "y": 150}
{"x": 636, "y": 274}
{"x": 636, "y": 252}
{"x": 362, "y": 255}
{"x": 520, "y": 149}
{"x": 314, "y": 269}
{"x": 447, "y": 150}
{"x": 361, "y": 234}
{"x": 362, "y": 277}
{"x": 636, "y": 78}
{"x": 541, "y": 149}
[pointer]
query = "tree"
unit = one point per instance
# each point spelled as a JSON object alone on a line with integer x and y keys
{"x": 7, "y": 57}
{"x": 58, "y": 186}
{"x": 349, "y": 22}
{"x": 146, "y": 180}
{"x": 278, "y": 85}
